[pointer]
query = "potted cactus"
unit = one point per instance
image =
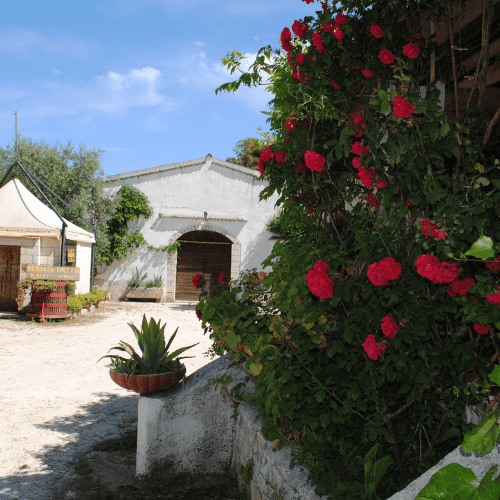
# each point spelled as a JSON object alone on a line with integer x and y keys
{"x": 156, "y": 369}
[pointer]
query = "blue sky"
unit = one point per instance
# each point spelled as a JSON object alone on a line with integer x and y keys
{"x": 135, "y": 78}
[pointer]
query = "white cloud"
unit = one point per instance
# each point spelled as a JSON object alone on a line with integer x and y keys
{"x": 24, "y": 41}
{"x": 117, "y": 93}
{"x": 200, "y": 44}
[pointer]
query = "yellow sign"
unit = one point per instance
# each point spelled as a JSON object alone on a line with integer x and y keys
{"x": 70, "y": 255}
{"x": 52, "y": 272}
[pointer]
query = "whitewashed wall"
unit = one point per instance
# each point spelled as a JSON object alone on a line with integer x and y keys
{"x": 181, "y": 193}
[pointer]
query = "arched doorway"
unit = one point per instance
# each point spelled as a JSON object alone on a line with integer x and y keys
{"x": 201, "y": 252}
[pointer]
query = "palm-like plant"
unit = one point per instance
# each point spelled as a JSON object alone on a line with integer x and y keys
{"x": 155, "y": 356}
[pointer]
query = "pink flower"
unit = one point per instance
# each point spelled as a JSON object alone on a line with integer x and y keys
{"x": 412, "y": 50}
{"x": 389, "y": 327}
{"x": 196, "y": 280}
{"x": 482, "y": 329}
{"x": 317, "y": 41}
{"x": 266, "y": 154}
{"x": 401, "y": 107}
{"x": 372, "y": 349}
{"x": 299, "y": 29}
{"x": 280, "y": 157}
{"x": 376, "y": 31}
{"x": 379, "y": 273}
{"x": 386, "y": 56}
{"x": 319, "y": 282}
{"x": 314, "y": 161}
{"x": 367, "y": 73}
{"x": 222, "y": 276}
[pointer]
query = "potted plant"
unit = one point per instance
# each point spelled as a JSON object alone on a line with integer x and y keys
{"x": 139, "y": 289}
{"x": 156, "y": 369}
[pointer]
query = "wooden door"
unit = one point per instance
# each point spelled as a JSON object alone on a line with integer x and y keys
{"x": 201, "y": 252}
{"x": 10, "y": 271}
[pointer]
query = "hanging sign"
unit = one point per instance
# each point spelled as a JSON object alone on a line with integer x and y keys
{"x": 70, "y": 255}
{"x": 51, "y": 273}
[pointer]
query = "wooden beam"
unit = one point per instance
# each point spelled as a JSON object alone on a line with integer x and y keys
{"x": 493, "y": 76}
{"x": 471, "y": 62}
{"x": 466, "y": 14}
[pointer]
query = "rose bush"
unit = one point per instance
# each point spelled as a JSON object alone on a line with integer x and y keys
{"x": 365, "y": 331}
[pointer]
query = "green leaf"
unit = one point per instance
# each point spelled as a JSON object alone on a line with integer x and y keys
{"x": 482, "y": 248}
{"x": 494, "y": 376}
{"x": 320, "y": 395}
{"x": 483, "y": 437}
{"x": 382, "y": 95}
{"x": 384, "y": 108}
{"x": 393, "y": 94}
{"x": 482, "y": 181}
{"x": 445, "y": 128}
{"x": 456, "y": 481}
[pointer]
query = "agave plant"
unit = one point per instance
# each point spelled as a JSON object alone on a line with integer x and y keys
{"x": 155, "y": 356}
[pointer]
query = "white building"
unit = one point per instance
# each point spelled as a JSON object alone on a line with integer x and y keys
{"x": 212, "y": 207}
{"x": 30, "y": 233}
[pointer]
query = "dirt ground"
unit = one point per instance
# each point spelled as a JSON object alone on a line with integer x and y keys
{"x": 57, "y": 399}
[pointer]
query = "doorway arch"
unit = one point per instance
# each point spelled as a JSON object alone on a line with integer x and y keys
{"x": 206, "y": 250}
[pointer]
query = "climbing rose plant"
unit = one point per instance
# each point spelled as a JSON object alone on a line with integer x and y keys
{"x": 370, "y": 331}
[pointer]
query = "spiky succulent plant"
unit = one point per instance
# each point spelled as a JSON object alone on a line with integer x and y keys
{"x": 155, "y": 356}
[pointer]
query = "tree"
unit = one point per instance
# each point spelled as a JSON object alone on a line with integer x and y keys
{"x": 248, "y": 151}
{"x": 384, "y": 313}
{"x": 74, "y": 175}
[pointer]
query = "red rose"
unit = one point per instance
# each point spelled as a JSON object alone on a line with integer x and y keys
{"x": 266, "y": 154}
{"x": 300, "y": 59}
{"x": 358, "y": 120}
{"x": 355, "y": 163}
{"x": 299, "y": 29}
{"x": 261, "y": 166}
{"x": 334, "y": 84}
{"x": 367, "y": 72}
{"x": 365, "y": 177}
{"x": 300, "y": 165}
{"x": 309, "y": 1}
{"x": 314, "y": 161}
{"x": 280, "y": 157}
{"x": 382, "y": 185}
{"x": 482, "y": 329}
{"x": 494, "y": 265}
{"x": 446, "y": 273}
{"x": 376, "y": 31}
{"x": 338, "y": 33}
{"x": 198, "y": 313}
{"x": 379, "y": 273}
{"x": 371, "y": 200}
{"x": 473, "y": 299}
{"x": 196, "y": 280}
{"x": 222, "y": 276}
{"x": 461, "y": 287}
{"x": 357, "y": 149}
{"x": 389, "y": 327}
{"x": 372, "y": 349}
{"x": 386, "y": 56}
{"x": 341, "y": 19}
{"x": 328, "y": 26}
{"x": 317, "y": 41}
{"x": 319, "y": 282}
{"x": 412, "y": 50}
{"x": 427, "y": 266}
{"x": 494, "y": 299}
{"x": 401, "y": 107}
{"x": 286, "y": 35}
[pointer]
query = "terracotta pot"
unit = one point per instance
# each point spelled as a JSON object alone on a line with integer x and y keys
{"x": 146, "y": 384}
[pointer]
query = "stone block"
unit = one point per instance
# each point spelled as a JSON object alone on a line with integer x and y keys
{"x": 189, "y": 424}
{"x": 148, "y": 293}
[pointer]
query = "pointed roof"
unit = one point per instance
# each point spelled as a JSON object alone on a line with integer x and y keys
{"x": 23, "y": 214}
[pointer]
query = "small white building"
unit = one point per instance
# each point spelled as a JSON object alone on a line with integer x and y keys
{"x": 30, "y": 233}
{"x": 212, "y": 208}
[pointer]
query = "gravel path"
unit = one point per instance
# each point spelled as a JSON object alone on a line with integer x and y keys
{"x": 57, "y": 401}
